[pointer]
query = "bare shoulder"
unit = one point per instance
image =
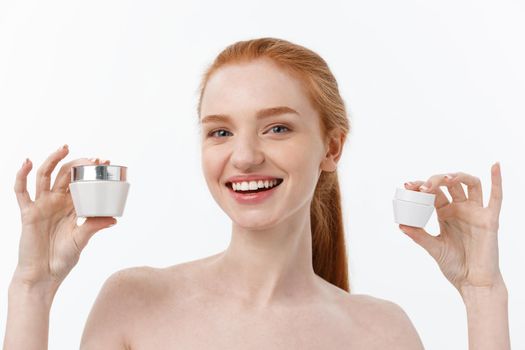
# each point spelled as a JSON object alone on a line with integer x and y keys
{"x": 153, "y": 282}
{"x": 134, "y": 296}
{"x": 384, "y": 320}
{"x": 124, "y": 294}
{"x": 136, "y": 285}
{"x": 131, "y": 285}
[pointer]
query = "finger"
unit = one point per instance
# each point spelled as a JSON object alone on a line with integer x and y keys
{"x": 440, "y": 201}
{"x": 22, "y": 196}
{"x": 43, "y": 175}
{"x": 455, "y": 190}
{"x": 496, "y": 189}
{"x": 64, "y": 175}
{"x": 473, "y": 186}
{"x": 90, "y": 227}
{"x": 430, "y": 243}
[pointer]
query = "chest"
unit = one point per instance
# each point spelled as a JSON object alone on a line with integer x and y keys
{"x": 207, "y": 326}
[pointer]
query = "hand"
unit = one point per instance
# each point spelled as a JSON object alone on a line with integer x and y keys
{"x": 51, "y": 240}
{"x": 466, "y": 249}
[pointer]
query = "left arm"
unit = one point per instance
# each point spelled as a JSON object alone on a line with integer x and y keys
{"x": 466, "y": 251}
{"x": 487, "y": 316}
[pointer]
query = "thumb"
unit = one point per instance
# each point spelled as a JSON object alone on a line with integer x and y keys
{"x": 423, "y": 238}
{"x": 91, "y": 226}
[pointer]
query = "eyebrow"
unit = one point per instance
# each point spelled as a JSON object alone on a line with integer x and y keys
{"x": 263, "y": 113}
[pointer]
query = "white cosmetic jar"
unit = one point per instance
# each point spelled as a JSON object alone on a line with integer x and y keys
{"x": 413, "y": 208}
{"x": 99, "y": 190}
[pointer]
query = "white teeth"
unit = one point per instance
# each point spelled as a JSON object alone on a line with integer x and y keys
{"x": 253, "y": 185}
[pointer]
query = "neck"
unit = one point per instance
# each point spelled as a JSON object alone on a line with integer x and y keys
{"x": 267, "y": 265}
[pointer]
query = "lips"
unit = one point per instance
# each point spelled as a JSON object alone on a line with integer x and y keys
{"x": 253, "y": 197}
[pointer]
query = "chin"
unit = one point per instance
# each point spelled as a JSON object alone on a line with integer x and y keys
{"x": 255, "y": 221}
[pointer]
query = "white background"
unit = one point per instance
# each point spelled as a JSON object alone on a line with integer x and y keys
{"x": 431, "y": 87}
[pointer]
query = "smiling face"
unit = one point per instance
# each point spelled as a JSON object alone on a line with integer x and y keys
{"x": 262, "y": 123}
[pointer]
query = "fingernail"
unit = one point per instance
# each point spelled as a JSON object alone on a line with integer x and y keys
{"x": 25, "y": 161}
{"x": 423, "y": 188}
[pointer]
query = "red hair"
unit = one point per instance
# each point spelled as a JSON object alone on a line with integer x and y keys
{"x": 328, "y": 240}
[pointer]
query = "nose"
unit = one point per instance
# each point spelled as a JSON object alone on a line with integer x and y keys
{"x": 246, "y": 152}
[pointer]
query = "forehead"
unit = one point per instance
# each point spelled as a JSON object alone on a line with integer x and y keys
{"x": 245, "y": 87}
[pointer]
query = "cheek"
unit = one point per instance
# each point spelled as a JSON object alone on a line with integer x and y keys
{"x": 211, "y": 164}
{"x": 300, "y": 159}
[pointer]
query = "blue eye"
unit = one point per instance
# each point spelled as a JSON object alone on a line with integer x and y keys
{"x": 280, "y": 126}
{"x": 213, "y": 132}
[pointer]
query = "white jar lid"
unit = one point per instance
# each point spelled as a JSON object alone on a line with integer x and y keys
{"x": 415, "y": 196}
{"x": 98, "y": 173}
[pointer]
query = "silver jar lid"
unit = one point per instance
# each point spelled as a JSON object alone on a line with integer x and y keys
{"x": 98, "y": 172}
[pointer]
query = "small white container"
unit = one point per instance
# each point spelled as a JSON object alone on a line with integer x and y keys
{"x": 413, "y": 208}
{"x": 99, "y": 190}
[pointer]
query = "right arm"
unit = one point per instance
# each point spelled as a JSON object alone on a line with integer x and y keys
{"x": 27, "y": 316}
{"x": 29, "y": 308}
{"x": 50, "y": 246}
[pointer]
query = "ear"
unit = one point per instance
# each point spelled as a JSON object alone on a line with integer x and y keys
{"x": 334, "y": 149}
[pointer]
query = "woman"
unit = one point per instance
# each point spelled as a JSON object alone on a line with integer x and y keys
{"x": 271, "y": 116}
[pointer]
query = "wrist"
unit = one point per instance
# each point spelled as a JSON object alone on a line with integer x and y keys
{"x": 487, "y": 315}
{"x": 494, "y": 293}
{"x": 41, "y": 291}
